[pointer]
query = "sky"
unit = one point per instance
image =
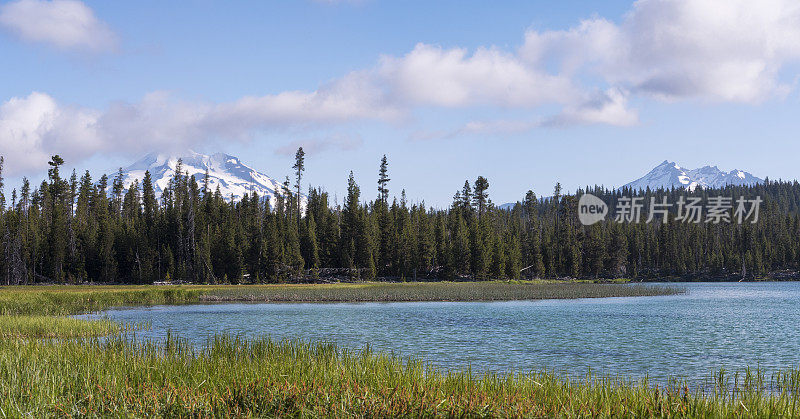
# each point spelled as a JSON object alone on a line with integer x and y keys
{"x": 524, "y": 93}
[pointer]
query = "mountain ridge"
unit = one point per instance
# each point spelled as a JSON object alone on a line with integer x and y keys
{"x": 226, "y": 172}
{"x": 669, "y": 174}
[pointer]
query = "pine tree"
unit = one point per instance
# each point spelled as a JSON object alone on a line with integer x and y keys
{"x": 481, "y": 196}
{"x": 383, "y": 181}
{"x": 466, "y": 199}
{"x": 299, "y": 167}
{"x": 350, "y": 223}
{"x": 2, "y": 195}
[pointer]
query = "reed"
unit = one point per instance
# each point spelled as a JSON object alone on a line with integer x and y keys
{"x": 52, "y": 327}
{"x": 434, "y": 291}
{"x": 260, "y": 377}
{"x": 66, "y": 300}
{"x": 41, "y": 312}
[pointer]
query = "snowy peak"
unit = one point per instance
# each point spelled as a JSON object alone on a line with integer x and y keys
{"x": 669, "y": 174}
{"x": 234, "y": 178}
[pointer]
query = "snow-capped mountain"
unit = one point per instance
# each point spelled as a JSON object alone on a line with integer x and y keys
{"x": 668, "y": 174}
{"x": 227, "y": 172}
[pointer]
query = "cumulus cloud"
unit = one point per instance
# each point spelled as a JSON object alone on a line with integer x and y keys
{"x": 430, "y": 75}
{"x": 672, "y": 50}
{"x": 33, "y": 127}
{"x": 65, "y": 24}
{"x": 714, "y": 50}
{"x": 719, "y": 50}
{"x": 608, "y": 107}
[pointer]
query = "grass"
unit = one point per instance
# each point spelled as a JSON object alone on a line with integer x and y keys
{"x": 67, "y": 299}
{"x": 432, "y": 291}
{"x": 233, "y": 377}
{"x": 52, "y": 327}
{"x": 41, "y": 312}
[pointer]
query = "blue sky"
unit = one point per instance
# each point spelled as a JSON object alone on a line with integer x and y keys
{"x": 526, "y": 93}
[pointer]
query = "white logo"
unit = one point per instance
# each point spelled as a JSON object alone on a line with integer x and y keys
{"x": 591, "y": 209}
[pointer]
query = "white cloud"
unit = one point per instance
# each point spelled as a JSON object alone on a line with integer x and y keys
{"x": 714, "y": 50}
{"x": 33, "y": 127}
{"x": 602, "y": 108}
{"x": 430, "y": 75}
{"x": 355, "y": 96}
{"x": 608, "y": 108}
{"x": 66, "y": 24}
{"x": 720, "y": 50}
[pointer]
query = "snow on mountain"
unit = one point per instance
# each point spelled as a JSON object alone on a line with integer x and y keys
{"x": 668, "y": 174}
{"x": 227, "y": 172}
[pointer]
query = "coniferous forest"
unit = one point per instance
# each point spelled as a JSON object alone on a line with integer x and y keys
{"x": 73, "y": 229}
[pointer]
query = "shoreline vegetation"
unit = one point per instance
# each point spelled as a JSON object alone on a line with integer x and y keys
{"x": 41, "y": 311}
{"x": 257, "y": 377}
{"x": 433, "y": 291}
{"x": 63, "y": 300}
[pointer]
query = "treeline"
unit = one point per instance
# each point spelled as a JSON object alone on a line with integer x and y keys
{"x": 76, "y": 229}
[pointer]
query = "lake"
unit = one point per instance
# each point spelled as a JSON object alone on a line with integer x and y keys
{"x": 712, "y": 326}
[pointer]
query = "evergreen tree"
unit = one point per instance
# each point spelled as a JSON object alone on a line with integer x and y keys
{"x": 383, "y": 181}
{"x": 299, "y": 167}
{"x": 481, "y": 196}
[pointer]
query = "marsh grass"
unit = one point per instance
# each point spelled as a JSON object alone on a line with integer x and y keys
{"x": 57, "y": 327}
{"x": 42, "y": 312}
{"x": 259, "y": 377}
{"x": 434, "y": 291}
{"x": 66, "y": 300}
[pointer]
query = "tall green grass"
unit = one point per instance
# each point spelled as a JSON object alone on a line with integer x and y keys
{"x": 41, "y": 312}
{"x": 234, "y": 377}
{"x": 52, "y": 327}
{"x": 65, "y": 300}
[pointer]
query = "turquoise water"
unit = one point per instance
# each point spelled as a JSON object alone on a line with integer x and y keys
{"x": 712, "y": 326}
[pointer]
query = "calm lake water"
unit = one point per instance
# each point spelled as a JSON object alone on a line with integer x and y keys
{"x": 730, "y": 325}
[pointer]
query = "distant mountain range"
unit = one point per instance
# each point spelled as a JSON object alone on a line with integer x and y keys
{"x": 227, "y": 172}
{"x": 668, "y": 174}
{"x": 235, "y": 178}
